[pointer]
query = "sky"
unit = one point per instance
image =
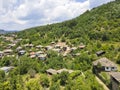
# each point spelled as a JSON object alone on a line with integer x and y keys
{"x": 22, "y": 14}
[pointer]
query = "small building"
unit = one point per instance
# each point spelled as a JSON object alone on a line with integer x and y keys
{"x": 48, "y": 47}
{"x": 6, "y": 69}
{"x": 32, "y": 54}
{"x": 57, "y": 50}
{"x": 82, "y": 46}
{"x": 39, "y": 53}
{"x": 29, "y": 45}
{"x": 21, "y": 52}
{"x": 51, "y": 71}
{"x": 57, "y": 47}
{"x": 39, "y": 46}
{"x": 73, "y": 48}
{"x": 99, "y": 53}
{"x": 66, "y": 70}
{"x": 104, "y": 64}
{"x": 52, "y": 43}
{"x": 42, "y": 57}
{"x": 115, "y": 80}
{"x": 8, "y": 52}
{"x": 11, "y": 45}
{"x": 77, "y": 54}
{"x": 18, "y": 48}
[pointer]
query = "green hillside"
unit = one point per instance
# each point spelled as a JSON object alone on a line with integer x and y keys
{"x": 60, "y": 56}
{"x": 101, "y": 23}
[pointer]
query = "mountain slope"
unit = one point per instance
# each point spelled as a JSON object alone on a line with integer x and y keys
{"x": 101, "y": 23}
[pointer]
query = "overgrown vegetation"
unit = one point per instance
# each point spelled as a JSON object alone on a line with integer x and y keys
{"x": 98, "y": 29}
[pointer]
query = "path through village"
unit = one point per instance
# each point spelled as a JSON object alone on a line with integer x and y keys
{"x": 99, "y": 81}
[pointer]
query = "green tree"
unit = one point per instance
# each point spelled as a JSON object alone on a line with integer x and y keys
{"x": 32, "y": 73}
{"x": 44, "y": 81}
{"x": 33, "y": 85}
{"x": 2, "y": 75}
{"x": 118, "y": 59}
{"x": 55, "y": 86}
{"x": 64, "y": 78}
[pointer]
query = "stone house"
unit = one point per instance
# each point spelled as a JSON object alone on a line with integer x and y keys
{"x": 115, "y": 81}
{"x": 51, "y": 71}
{"x": 42, "y": 57}
{"x": 21, "y": 52}
{"x": 8, "y": 52}
{"x": 104, "y": 64}
{"x": 6, "y": 69}
{"x": 99, "y": 53}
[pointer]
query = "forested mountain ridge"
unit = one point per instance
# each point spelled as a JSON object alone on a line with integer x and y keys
{"x": 60, "y": 56}
{"x": 101, "y": 23}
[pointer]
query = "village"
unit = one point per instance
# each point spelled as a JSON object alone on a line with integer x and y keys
{"x": 101, "y": 66}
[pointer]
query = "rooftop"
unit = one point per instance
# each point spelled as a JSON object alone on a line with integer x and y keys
{"x": 64, "y": 69}
{"x": 116, "y": 75}
{"x": 51, "y": 71}
{"x": 104, "y": 62}
{"x": 8, "y": 50}
{"x": 5, "y": 68}
{"x": 1, "y": 52}
{"x": 100, "y": 52}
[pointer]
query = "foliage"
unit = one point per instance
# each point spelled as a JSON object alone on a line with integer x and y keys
{"x": 2, "y": 75}
{"x": 33, "y": 85}
{"x": 118, "y": 59}
{"x": 98, "y": 29}
{"x": 101, "y": 23}
{"x": 55, "y": 86}
{"x": 44, "y": 81}
{"x": 64, "y": 78}
{"x": 32, "y": 73}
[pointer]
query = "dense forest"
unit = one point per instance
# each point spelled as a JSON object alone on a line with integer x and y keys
{"x": 97, "y": 29}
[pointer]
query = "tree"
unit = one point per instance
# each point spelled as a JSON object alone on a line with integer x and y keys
{"x": 105, "y": 37}
{"x": 118, "y": 59}
{"x": 44, "y": 81}
{"x": 16, "y": 82}
{"x": 32, "y": 73}
{"x": 5, "y": 61}
{"x": 99, "y": 44}
{"x": 33, "y": 85}
{"x": 2, "y": 75}
{"x": 55, "y": 78}
{"x": 55, "y": 86}
{"x": 64, "y": 78}
{"x": 99, "y": 65}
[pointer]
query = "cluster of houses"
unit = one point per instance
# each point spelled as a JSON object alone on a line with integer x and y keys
{"x": 35, "y": 51}
{"x": 106, "y": 65}
{"x": 8, "y": 48}
{"x": 39, "y": 52}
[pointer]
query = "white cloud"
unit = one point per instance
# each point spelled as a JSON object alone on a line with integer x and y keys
{"x": 95, "y": 3}
{"x": 21, "y": 14}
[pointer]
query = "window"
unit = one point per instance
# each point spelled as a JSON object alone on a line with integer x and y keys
{"x": 113, "y": 67}
{"x": 107, "y": 67}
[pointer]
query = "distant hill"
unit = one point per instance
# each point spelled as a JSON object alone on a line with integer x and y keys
{"x": 101, "y": 23}
{"x": 6, "y": 32}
